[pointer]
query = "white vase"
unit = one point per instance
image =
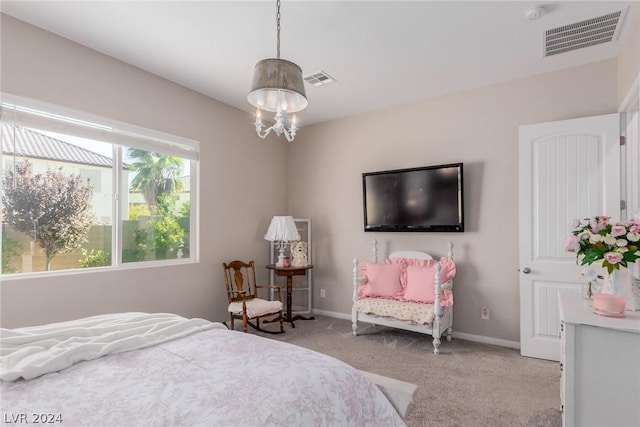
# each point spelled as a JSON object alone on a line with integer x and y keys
{"x": 620, "y": 282}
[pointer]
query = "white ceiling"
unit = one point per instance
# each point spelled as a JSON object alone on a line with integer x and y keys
{"x": 382, "y": 53}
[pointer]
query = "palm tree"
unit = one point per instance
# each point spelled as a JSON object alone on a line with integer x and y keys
{"x": 156, "y": 174}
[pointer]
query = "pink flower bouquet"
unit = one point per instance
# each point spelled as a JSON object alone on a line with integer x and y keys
{"x": 596, "y": 239}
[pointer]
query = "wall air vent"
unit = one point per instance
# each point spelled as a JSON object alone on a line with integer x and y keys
{"x": 603, "y": 29}
{"x": 319, "y": 79}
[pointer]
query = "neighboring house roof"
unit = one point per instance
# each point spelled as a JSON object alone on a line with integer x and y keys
{"x": 31, "y": 144}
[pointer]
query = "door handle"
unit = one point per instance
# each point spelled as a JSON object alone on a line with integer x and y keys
{"x": 526, "y": 270}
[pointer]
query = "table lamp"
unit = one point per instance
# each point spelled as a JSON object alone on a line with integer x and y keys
{"x": 282, "y": 230}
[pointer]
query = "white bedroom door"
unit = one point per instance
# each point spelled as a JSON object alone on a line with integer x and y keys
{"x": 567, "y": 169}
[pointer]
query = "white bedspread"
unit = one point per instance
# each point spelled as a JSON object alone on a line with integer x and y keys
{"x": 215, "y": 377}
{"x": 30, "y": 352}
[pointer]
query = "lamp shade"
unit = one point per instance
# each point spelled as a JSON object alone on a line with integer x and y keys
{"x": 282, "y": 229}
{"x": 278, "y": 86}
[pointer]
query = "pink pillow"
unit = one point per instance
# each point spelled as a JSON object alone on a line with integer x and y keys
{"x": 402, "y": 262}
{"x": 420, "y": 284}
{"x": 380, "y": 280}
{"x": 420, "y": 280}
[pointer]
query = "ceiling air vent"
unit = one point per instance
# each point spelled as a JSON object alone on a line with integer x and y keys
{"x": 603, "y": 29}
{"x": 319, "y": 79}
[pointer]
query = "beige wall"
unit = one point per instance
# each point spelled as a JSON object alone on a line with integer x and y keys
{"x": 234, "y": 167}
{"x": 479, "y": 128}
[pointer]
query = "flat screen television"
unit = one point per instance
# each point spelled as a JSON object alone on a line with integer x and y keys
{"x": 428, "y": 198}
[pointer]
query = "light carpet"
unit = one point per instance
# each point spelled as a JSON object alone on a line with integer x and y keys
{"x": 467, "y": 384}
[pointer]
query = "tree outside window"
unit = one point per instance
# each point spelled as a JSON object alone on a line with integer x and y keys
{"x": 158, "y": 178}
{"x": 54, "y": 208}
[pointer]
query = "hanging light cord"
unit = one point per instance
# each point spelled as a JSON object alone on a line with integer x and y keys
{"x": 278, "y": 29}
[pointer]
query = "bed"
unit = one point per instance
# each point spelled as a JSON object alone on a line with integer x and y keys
{"x": 164, "y": 370}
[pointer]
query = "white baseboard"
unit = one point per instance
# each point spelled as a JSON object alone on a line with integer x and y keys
{"x": 332, "y": 314}
{"x": 469, "y": 337}
{"x": 487, "y": 340}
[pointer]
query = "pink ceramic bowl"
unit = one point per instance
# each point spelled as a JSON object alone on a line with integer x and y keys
{"x": 608, "y": 305}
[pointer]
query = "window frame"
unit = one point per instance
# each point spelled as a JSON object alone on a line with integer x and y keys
{"x": 29, "y": 113}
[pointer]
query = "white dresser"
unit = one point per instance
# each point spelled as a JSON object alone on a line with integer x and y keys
{"x": 600, "y": 363}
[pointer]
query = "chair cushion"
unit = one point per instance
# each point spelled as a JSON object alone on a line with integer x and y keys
{"x": 256, "y": 307}
{"x": 418, "y": 313}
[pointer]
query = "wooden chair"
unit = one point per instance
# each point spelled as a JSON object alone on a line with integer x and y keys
{"x": 242, "y": 293}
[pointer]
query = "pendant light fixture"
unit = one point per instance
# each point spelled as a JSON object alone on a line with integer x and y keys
{"x": 277, "y": 87}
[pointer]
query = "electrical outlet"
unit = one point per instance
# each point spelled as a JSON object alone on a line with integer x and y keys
{"x": 322, "y": 293}
{"x": 484, "y": 312}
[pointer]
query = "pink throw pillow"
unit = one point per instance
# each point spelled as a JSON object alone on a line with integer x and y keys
{"x": 420, "y": 280}
{"x": 420, "y": 284}
{"x": 380, "y": 280}
{"x": 402, "y": 262}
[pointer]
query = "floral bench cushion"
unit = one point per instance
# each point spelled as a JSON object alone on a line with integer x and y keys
{"x": 419, "y": 313}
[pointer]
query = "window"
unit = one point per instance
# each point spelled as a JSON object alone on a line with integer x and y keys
{"x": 81, "y": 192}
